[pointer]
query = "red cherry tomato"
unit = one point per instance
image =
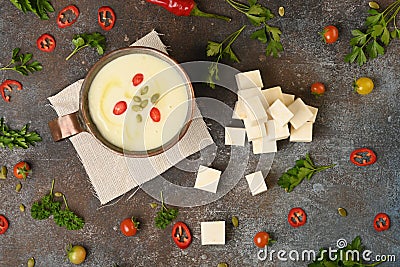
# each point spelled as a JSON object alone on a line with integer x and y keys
{"x": 106, "y": 18}
{"x": 381, "y": 222}
{"x": 181, "y": 235}
{"x": 67, "y": 16}
{"x": 137, "y": 79}
{"x": 297, "y": 217}
{"x": 129, "y": 226}
{"x": 120, "y": 108}
{"x": 22, "y": 170}
{"x": 155, "y": 114}
{"x": 317, "y": 89}
{"x": 3, "y": 224}
{"x": 261, "y": 239}
{"x": 363, "y": 157}
{"x": 46, "y": 43}
{"x": 330, "y": 34}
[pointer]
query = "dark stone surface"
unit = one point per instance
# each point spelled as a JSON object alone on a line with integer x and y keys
{"x": 345, "y": 121}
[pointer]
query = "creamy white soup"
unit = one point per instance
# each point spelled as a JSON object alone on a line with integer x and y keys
{"x": 139, "y": 102}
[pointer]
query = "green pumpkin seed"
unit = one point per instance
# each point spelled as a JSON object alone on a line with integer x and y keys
{"x": 22, "y": 207}
{"x": 58, "y": 194}
{"x": 144, "y": 90}
{"x": 139, "y": 118}
{"x": 31, "y": 262}
{"x": 3, "y": 173}
{"x": 153, "y": 205}
{"x": 144, "y": 103}
{"x": 373, "y": 5}
{"x": 18, "y": 187}
{"x": 235, "y": 221}
{"x": 281, "y": 11}
{"x": 154, "y": 98}
{"x": 342, "y": 212}
{"x": 137, "y": 99}
{"x": 137, "y": 108}
{"x": 222, "y": 264}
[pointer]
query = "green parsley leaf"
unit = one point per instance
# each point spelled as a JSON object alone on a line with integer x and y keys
{"x": 213, "y": 49}
{"x": 374, "y": 49}
{"x": 39, "y": 7}
{"x": 165, "y": 215}
{"x": 17, "y": 138}
{"x": 95, "y": 40}
{"x": 22, "y": 63}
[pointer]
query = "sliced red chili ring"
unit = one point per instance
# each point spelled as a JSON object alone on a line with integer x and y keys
{"x": 297, "y": 217}
{"x": 381, "y": 222}
{"x": 137, "y": 79}
{"x": 155, "y": 114}
{"x": 46, "y": 43}
{"x": 120, "y": 107}
{"x": 363, "y": 157}
{"x": 106, "y": 18}
{"x": 3, "y": 224}
{"x": 181, "y": 235}
{"x": 67, "y": 16}
{"x": 6, "y": 85}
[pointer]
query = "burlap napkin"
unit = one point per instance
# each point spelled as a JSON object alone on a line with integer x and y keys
{"x": 112, "y": 175}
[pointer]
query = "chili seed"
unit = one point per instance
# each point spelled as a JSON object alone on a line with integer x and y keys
{"x": 3, "y": 173}
{"x": 222, "y": 264}
{"x": 342, "y": 212}
{"x": 144, "y": 90}
{"x": 373, "y": 5}
{"x": 139, "y": 118}
{"x": 22, "y": 207}
{"x": 154, "y": 98}
{"x": 58, "y": 194}
{"x": 281, "y": 11}
{"x": 235, "y": 221}
{"x": 144, "y": 103}
{"x": 18, "y": 187}
{"x": 137, "y": 108}
{"x": 137, "y": 99}
{"x": 31, "y": 262}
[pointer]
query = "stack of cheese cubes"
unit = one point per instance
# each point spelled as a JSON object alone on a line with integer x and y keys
{"x": 268, "y": 115}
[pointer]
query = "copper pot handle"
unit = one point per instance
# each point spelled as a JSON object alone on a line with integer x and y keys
{"x": 65, "y": 126}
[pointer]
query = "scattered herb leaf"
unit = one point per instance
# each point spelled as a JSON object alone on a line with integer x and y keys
{"x": 95, "y": 40}
{"x": 22, "y": 63}
{"x": 38, "y": 7}
{"x": 17, "y": 138}
{"x": 165, "y": 216}
{"x": 304, "y": 168}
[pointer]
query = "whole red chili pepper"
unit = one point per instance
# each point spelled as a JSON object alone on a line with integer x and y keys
{"x": 181, "y": 235}
{"x": 185, "y": 8}
{"x": 6, "y": 85}
{"x": 106, "y": 18}
{"x": 67, "y": 16}
{"x": 363, "y": 157}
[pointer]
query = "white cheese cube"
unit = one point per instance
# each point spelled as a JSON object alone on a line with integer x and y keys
{"x": 288, "y": 99}
{"x": 281, "y": 132}
{"x": 249, "y": 79}
{"x": 243, "y": 95}
{"x": 255, "y": 110}
{"x": 256, "y": 130}
{"x": 213, "y": 233}
{"x": 207, "y": 179}
{"x": 264, "y": 145}
{"x": 301, "y": 113}
{"x": 235, "y": 136}
{"x": 256, "y": 183}
{"x": 314, "y": 111}
{"x": 239, "y": 112}
{"x": 272, "y": 94}
{"x": 302, "y": 134}
{"x": 280, "y": 113}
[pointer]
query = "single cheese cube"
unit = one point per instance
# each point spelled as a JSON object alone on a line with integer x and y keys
{"x": 302, "y": 134}
{"x": 243, "y": 95}
{"x": 239, "y": 112}
{"x": 272, "y": 94}
{"x": 250, "y": 79}
{"x": 255, "y": 110}
{"x": 281, "y": 132}
{"x": 288, "y": 99}
{"x": 235, "y": 136}
{"x": 301, "y": 113}
{"x": 280, "y": 113}
{"x": 314, "y": 111}
{"x": 213, "y": 233}
{"x": 264, "y": 145}
{"x": 254, "y": 131}
{"x": 207, "y": 179}
{"x": 256, "y": 183}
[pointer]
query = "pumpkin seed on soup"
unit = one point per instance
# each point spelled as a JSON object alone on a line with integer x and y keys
{"x": 144, "y": 90}
{"x": 137, "y": 99}
{"x": 154, "y": 98}
{"x": 137, "y": 108}
{"x": 144, "y": 103}
{"x": 139, "y": 118}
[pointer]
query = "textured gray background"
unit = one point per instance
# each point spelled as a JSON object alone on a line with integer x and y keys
{"x": 345, "y": 121}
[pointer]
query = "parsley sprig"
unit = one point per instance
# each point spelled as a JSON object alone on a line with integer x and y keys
{"x": 304, "y": 168}
{"x": 221, "y": 50}
{"x": 38, "y": 7}
{"x": 339, "y": 258}
{"x": 371, "y": 43}
{"x": 22, "y": 63}
{"x": 17, "y": 138}
{"x": 258, "y": 15}
{"x": 95, "y": 40}
{"x": 48, "y": 206}
{"x": 165, "y": 215}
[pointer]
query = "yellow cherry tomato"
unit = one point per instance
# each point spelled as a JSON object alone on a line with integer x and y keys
{"x": 363, "y": 85}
